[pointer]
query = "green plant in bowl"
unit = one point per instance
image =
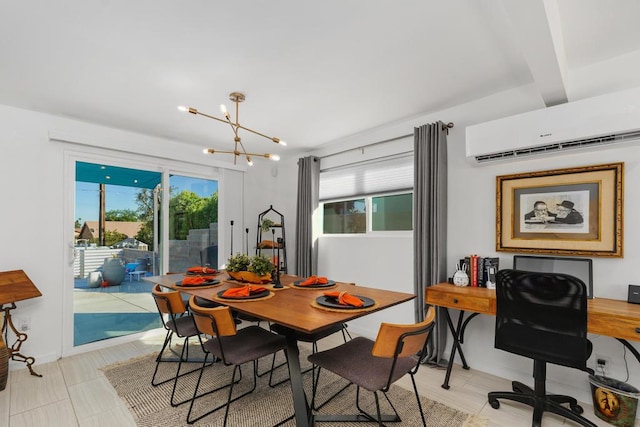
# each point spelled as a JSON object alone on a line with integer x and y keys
{"x": 238, "y": 262}
{"x": 261, "y": 265}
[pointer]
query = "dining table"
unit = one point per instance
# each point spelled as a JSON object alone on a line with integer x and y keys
{"x": 296, "y": 308}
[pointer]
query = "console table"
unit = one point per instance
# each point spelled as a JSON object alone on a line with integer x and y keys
{"x": 614, "y": 318}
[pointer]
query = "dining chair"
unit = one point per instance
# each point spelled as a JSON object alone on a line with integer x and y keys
{"x": 542, "y": 316}
{"x": 376, "y": 365}
{"x": 233, "y": 347}
{"x": 177, "y": 321}
{"x": 313, "y": 339}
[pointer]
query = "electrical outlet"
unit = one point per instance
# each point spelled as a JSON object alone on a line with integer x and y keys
{"x": 24, "y": 324}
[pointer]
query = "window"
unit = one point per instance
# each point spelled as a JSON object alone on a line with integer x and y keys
{"x": 390, "y": 213}
{"x": 365, "y": 197}
{"x": 368, "y": 214}
{"x": 346, "y": 216}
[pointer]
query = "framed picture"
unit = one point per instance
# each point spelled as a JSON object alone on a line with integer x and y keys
{"x": 573, "y": 211}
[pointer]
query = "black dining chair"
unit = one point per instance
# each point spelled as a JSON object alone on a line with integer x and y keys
{"x": 233, "y": 347}
{"x": 542, "y": 316}
{"x": 376, "y": 365}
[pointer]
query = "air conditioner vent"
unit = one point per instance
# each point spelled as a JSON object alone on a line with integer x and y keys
{"x": 560, "y": 146}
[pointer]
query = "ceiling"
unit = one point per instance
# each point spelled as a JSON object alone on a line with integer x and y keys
{"x": 312, "y": 72}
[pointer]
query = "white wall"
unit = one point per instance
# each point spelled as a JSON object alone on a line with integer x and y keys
{"x": 36, "y": 223}
{"x": 376, "y": 261}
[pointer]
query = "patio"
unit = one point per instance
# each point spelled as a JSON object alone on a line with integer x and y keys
{"x": 113, "y": 311}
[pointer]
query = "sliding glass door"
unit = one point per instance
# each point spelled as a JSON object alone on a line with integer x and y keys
{"x": 193, "y": 223}
{"x": 116, "y": 246}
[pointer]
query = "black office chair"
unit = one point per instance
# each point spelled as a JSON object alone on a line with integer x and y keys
{"x": 542, "y": 316}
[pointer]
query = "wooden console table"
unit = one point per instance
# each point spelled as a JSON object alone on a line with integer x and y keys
{"x": 609, "y": 317}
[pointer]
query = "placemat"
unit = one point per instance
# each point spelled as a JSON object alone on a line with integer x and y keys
{"x": 346, "y": 310}
{"x": 225, "y": 300}
{"x": 311, "y": 288}
{"x": 180, "y": 288}
{"x": 270, "y": 286}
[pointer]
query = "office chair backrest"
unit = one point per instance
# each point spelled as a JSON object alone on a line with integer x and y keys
{"x": 542, "y": 316}
{"x": 214, "y": 321}
{"x": 411, "y": 338}
{"x": 168, "y": 302}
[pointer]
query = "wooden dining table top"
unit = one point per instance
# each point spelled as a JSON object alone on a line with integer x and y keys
{"x": 291, "y": 306}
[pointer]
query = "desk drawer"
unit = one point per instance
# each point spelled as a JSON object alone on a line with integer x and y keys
{"x": 614, "y": 326}
{"x": 465, "y": 302}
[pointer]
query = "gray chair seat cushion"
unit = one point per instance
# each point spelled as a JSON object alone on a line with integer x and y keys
{"x": 248, "y": 344}
{"x": 183, "y": 326}
{"x": 354, "y": 362}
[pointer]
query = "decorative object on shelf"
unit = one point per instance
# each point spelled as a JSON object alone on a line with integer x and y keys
{"x": 460, "y": 277}
{"x": 256, "y": 269}
{"x": 15, "y": 286}
{"x": 239, "y": 148}
{"x": 571, "y": 211}
{"x": 246, "y": 231}
{"x": 278, "y": 238}
{"x": 266, "y": 224}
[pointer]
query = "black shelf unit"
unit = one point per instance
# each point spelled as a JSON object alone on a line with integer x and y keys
{"x": 276, "y": 234}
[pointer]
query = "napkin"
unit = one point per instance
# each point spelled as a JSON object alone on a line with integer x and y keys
{"x": 243, "y": 291}
{"x": 193, "y": 281}
{"x": 314, "y": 280}
{"x": 201, "y": 270}
{"x": 345, "y": 298}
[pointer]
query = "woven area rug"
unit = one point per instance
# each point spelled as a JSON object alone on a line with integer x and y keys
{"x": 266, "y": 406}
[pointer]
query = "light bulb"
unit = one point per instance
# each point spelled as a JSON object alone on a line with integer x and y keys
{"x": 274, "y": 157}
{"x": 278, "y": 141}
{"x": 282, "y": 143}
{"x": 183, "y": 108}
{"x": 223, "y": 108}
{"x": 249, "y": 161}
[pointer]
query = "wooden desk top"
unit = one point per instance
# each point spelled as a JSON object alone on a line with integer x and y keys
{"x": 291, "y": 307}
{"x": 614, "y": 318}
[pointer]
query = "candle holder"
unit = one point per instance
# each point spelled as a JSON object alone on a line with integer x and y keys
{"x": 231, "y": 237}
{"x": 246, "y": 230}
{"x": 277, "y": 282}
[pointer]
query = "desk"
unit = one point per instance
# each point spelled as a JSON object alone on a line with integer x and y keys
{"x": 612, "y": 318}
{"x": 291, "y": 307}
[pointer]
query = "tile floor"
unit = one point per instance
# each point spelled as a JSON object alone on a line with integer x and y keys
{"x": 73, "y": 392}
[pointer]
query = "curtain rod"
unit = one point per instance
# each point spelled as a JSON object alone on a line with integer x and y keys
{"x": 445, "y": 127}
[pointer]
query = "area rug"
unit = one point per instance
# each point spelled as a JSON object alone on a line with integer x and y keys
{"x": 266, "y": 406}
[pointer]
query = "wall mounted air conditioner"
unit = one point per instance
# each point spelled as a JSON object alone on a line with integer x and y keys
{"x": 591, "y": 122}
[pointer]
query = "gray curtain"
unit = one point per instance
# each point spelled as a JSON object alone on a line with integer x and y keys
{"x": 307, "y": 202}
{"x": 430, "y": 223}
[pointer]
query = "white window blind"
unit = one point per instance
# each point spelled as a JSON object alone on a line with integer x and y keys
{"x": 374, "y": 177}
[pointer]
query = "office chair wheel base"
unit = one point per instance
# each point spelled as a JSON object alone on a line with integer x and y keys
{"x": 576, "y": 409}
{"x": 494, "y": 403}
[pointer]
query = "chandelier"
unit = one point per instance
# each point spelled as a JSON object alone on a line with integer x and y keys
{"x": 238, "y": 149}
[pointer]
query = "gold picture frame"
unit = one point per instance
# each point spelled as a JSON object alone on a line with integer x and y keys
{"x": 574, "y": 211}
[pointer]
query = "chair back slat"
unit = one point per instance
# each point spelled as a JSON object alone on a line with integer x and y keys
{"x": 214, "y": 321}
{"x": 169, "y": 302}
{"x": 406, "y": 340}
